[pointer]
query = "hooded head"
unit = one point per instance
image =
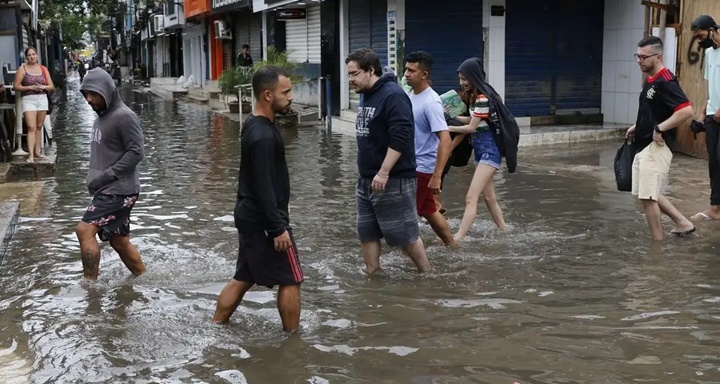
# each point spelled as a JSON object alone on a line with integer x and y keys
{"x": 472, "y": 70}
{"x": 100, "y": 91}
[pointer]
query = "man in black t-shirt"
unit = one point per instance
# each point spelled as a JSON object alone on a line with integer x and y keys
{"x": 267, "y": 254}
{"x": 663, "y": 106}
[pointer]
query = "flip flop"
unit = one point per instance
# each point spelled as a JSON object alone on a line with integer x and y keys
{"x": 685, "y": 233}
{"x": 701, "y": 216}
{"x": 30, "y": 161}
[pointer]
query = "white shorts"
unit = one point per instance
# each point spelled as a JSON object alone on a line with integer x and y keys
{"x": 32, "y": 103}
{"x": 650, "y": 171}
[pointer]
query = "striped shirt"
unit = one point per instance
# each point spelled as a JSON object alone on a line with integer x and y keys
{"x": 481, "y": 109}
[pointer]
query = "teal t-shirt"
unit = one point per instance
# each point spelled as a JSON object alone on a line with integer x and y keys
{"x": 712, "y": 75}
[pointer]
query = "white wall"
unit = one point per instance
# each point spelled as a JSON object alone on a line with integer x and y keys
{"x": 194, "y": 62}
{"x": 494, "y": 27}
{"x": 621, "y": 77}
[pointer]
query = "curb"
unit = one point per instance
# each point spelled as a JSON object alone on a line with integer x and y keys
{"x": 9, "y": 216}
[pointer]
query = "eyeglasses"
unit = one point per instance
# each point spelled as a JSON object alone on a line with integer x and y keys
{"x": 353, "y": 75}
{"x": 643, "y": 58}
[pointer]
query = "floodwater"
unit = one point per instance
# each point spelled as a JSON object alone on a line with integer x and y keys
{"x": 573, "y": 293}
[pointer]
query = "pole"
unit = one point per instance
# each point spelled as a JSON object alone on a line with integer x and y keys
{"x": 320, "y": 79}
{"x": 328, "y": 103}
{"x": 18, "y": 126}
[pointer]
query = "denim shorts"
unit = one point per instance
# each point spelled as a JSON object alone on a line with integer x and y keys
{"x": 486, "y": 151}
{"x": 390, "y": 214}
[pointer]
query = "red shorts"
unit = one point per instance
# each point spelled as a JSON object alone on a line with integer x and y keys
{"x": 425, "y": 196}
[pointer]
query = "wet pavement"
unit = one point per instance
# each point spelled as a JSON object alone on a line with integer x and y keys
{"x": 573, "y": 293}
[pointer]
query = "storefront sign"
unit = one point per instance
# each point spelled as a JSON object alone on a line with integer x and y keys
{"x": 226, "y": 5}
{"x": 290, "y": 14}
{"x": 262, "y": 5}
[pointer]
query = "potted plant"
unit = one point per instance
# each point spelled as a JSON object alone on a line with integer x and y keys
{"x": 278, "y": 58}
{"x": 230, "y": 80}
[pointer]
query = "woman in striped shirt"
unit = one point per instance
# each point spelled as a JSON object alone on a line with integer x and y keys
{"x": 487, "y": 154}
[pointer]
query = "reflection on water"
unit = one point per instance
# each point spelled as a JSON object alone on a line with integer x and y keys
{"x": 571, "y": 293}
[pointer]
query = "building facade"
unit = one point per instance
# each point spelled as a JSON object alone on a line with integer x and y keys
{"x": 546, "y": 70}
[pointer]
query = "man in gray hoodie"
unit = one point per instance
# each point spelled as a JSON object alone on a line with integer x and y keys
{"x": 116, "y": 148}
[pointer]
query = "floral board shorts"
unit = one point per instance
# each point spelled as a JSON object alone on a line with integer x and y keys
{"x": 111, "y": 213}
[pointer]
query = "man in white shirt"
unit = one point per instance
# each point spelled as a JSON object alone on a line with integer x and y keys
{"x": 706, "y": 32}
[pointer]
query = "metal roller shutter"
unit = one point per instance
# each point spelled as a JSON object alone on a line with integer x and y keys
{"x": 368, "y": 29}
{"x": 445, "y": 40}
{"x": 313, "y": 34}
{"x": 247, "y": 29}
{"x": 549, "y": 66}
{"x": 368, "y": 26}
{"x": 296, "y": 40}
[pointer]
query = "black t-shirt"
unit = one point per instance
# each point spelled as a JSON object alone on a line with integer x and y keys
{"x": 661, "y": 96}
{"x": 264, "y": 182}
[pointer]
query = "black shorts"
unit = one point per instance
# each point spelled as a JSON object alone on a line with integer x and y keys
{"x": 258, "y": 261}
{"x": 111, "y": 213}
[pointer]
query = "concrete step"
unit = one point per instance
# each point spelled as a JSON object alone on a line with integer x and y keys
{"x": 349, "y": 114}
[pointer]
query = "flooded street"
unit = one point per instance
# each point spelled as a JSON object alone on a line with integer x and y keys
{"x": 572, "y": 293}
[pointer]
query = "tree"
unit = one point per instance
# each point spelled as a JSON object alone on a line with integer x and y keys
{"x": 78, "y": 19}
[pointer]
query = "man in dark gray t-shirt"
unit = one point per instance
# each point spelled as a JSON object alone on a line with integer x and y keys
{"x": 116, "y": 148}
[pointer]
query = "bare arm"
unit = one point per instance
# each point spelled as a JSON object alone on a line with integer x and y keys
{"x": 391, "y": 157}
{"x": 50, "y": 87}
{"x": 680, "y": 116}
{"x": 456, "y": 141}
{"x": 443, "y": 152}
{"x": 469, "y": 128}
{"x": 463, "y": 119}
{"x": 17, "y": 83}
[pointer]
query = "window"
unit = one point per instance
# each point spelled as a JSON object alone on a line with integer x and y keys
{"x": 170, "y": 8}
{"x": 8, "y": 21}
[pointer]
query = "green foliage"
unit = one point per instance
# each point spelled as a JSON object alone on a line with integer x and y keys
{"x": 230, "y": 78}
{"x": 78, "y": 19}
{"x": 279, "y": 58}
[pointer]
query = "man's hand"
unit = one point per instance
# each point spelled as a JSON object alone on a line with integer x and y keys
{"x": 379, "y": 181}
{"x": 283, "y": 242}
{"x": 658, "y": 137}
{"x": 717, "y": 115}
{"x": 630, "y": 133}
{"x": 434, "y": 184}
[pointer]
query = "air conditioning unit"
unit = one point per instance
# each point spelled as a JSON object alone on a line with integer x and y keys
{"x": 221, "y": 30}
{"x": 159, "y": 23}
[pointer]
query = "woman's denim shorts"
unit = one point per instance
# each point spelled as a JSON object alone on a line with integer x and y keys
{"x": 486, "y": 151}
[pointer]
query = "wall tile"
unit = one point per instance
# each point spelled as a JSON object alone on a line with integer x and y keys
{"x": 608, "y": 76}
{"x": 621, "y": 108}
{"x": 607, "y": 103}
{"x": 622, "y": 76}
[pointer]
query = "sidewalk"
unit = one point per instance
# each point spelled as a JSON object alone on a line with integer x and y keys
{"x": 529, "y": 136}
{"x": 21, "y": 196}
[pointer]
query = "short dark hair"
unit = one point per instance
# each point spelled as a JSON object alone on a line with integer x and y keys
{"x": 366, "y": 60}
{"x": 246, "y": 46}
{"x": 28, "y": 50}
{"x": 266, "y": 79}
{"x": 651, "y": 41}
{"x": 423, "y": 59}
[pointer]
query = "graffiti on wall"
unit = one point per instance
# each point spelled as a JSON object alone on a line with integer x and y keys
{"x": 695, "y": 54}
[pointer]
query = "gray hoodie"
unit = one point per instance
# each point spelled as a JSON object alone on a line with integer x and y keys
{"x": 117, "y": 142}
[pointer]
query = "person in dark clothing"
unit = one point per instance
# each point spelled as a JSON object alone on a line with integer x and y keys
{"x": 707, "y": 32}
{"x": 267, "y": 253}
{"x": 662, "y": 107}
{"x": 244, "y": 59}
{"x": 387, "y": 184}
{"x": 117, "y": 145}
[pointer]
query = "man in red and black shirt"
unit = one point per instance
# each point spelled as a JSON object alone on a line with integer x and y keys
{"x": 663, "y": 106}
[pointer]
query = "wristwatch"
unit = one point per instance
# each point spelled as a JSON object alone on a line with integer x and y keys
{"x": 657, "y": 129}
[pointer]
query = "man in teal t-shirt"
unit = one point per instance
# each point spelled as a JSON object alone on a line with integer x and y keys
{"x": 706, "y": 32}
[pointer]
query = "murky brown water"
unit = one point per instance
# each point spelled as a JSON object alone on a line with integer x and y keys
{"x": 573, "y": 293}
